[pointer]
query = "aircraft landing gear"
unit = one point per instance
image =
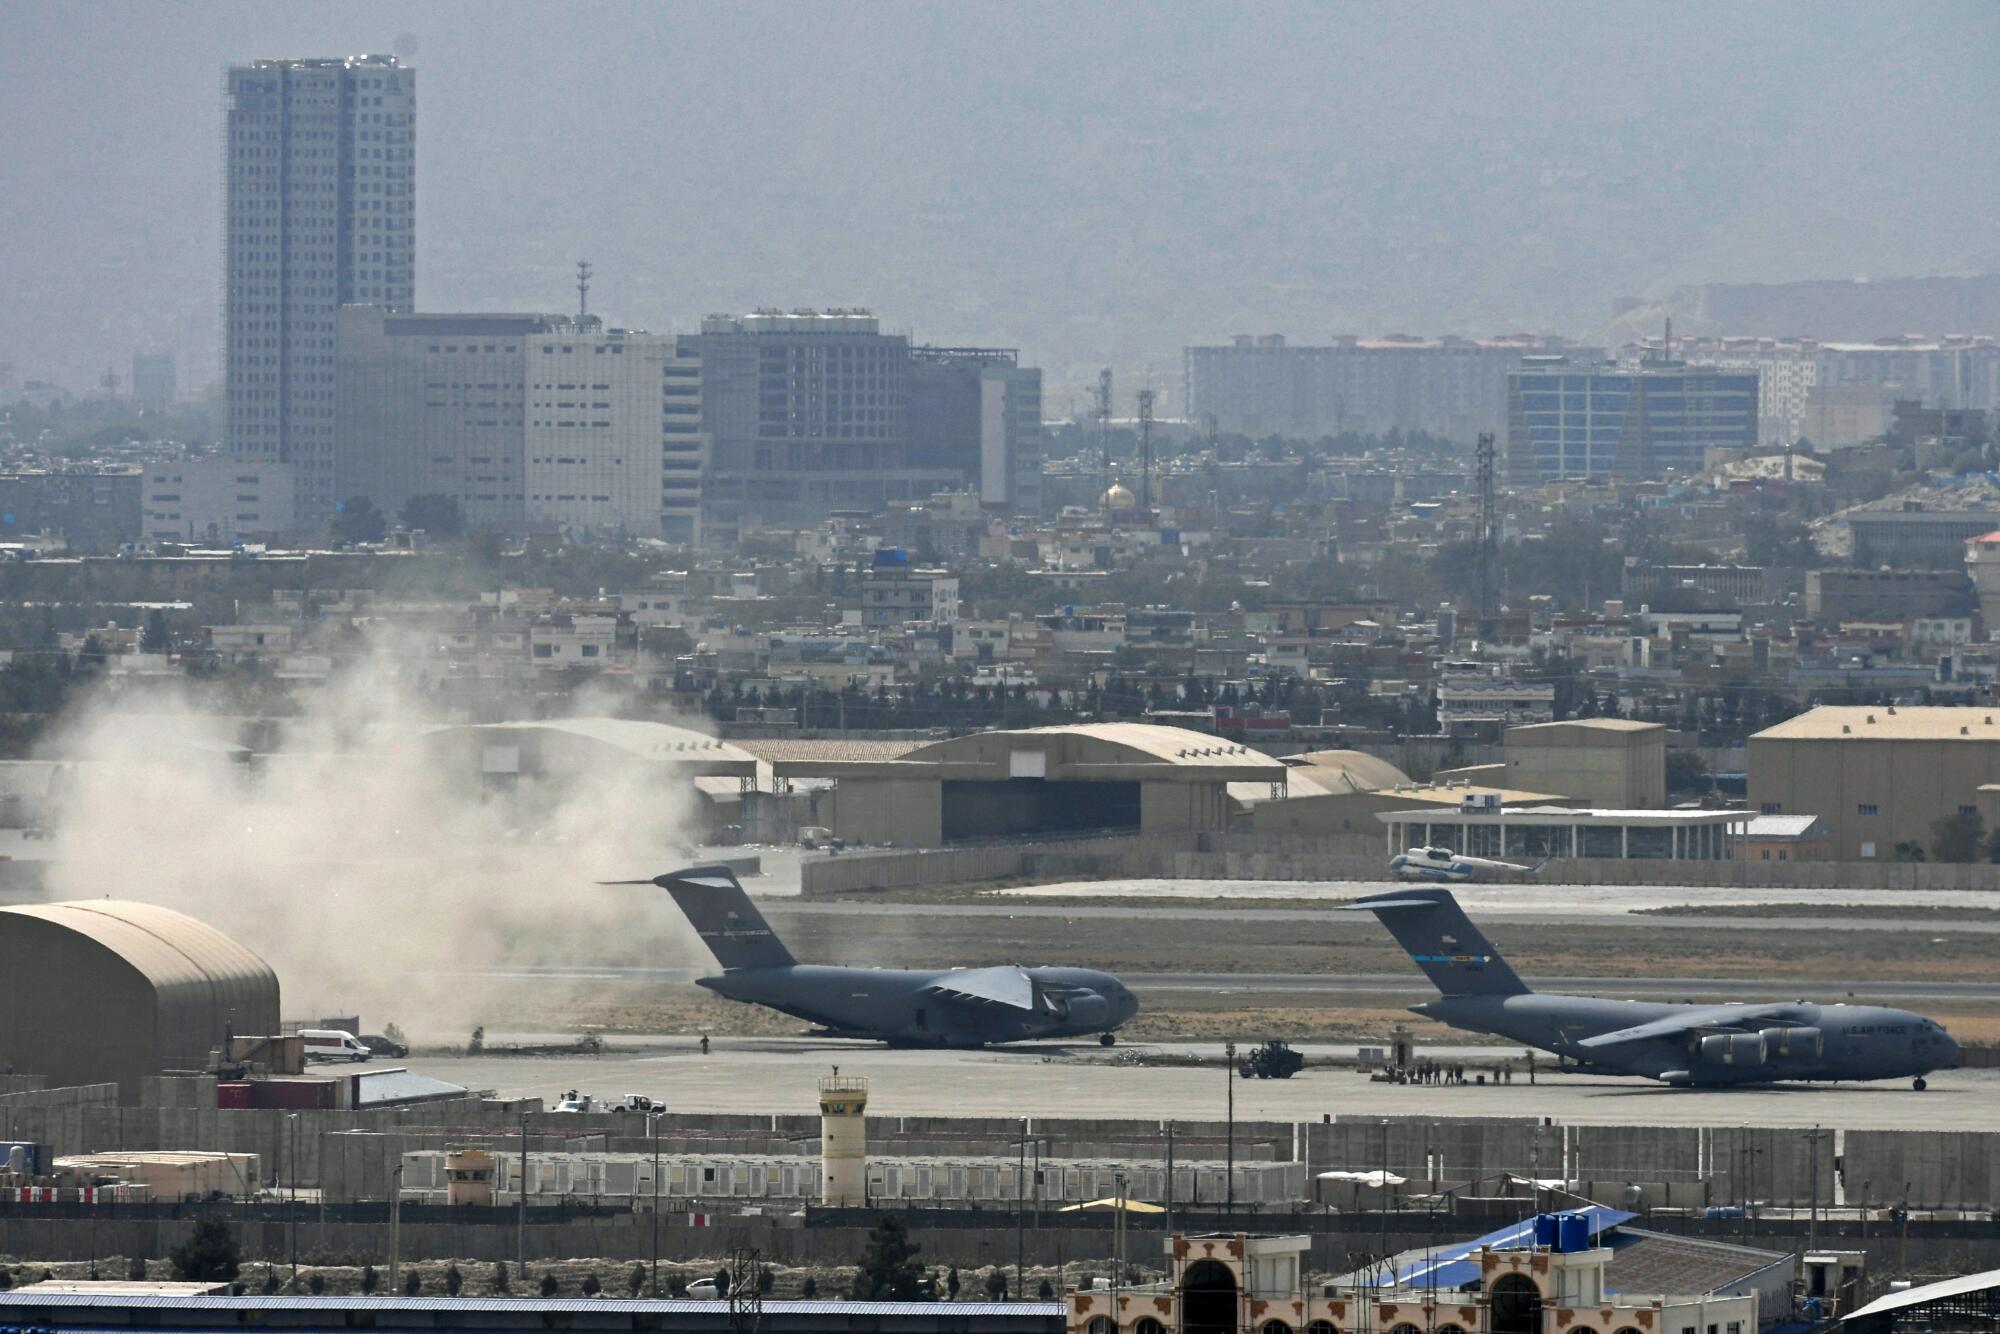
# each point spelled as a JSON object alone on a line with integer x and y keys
{"x": 1106, "y": 1039}
{"x": 1918, "y": 1084}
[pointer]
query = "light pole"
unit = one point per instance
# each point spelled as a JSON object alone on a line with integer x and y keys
{"x": 292, "y": 1199}
{"x": 1229, "y": 1173}
{"x": 654, "y": 1117}
{"x": 396, "y": 1230}
{"x": 521, "y": 1215}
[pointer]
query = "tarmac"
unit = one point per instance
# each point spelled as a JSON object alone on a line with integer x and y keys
{"x": 778, "y": 1075}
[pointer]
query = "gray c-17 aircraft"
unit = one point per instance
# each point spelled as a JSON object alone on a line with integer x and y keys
{"x": 934, "y": 1007}
{"x": 1685, "y": 1044}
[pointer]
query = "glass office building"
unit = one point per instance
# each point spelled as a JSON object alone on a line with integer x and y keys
{"x": 1567, "y": 421}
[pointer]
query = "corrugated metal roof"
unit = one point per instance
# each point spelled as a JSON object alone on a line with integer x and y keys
{"x": 144, "y": 1301}
{"x": 1929, "y": 1292}
{"x": 1451, "y": 1267}
{"x": 376, "y": 1088}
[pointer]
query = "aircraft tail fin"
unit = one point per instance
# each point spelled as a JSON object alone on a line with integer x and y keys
{"x": 1442, "y": 940}
{"x": 723, "y": 916}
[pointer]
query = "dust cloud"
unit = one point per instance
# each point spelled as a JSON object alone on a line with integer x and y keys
{"x": 368, "y": 865}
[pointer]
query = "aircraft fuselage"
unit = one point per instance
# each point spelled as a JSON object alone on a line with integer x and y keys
{"x": 894, "y": 1005}
{"x": 1853, "y": 1042}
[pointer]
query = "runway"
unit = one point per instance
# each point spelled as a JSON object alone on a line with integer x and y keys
{"x": 1402, "y": 987}
{"x": 778, "y": 1075}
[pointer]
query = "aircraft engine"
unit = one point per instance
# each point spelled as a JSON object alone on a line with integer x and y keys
{"x": 1733, "y": 1049}
{"x": 1809, "y": 1043}
{"x": 1087, "y": 1007}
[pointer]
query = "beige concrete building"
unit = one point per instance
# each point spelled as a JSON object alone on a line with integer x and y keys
{"x": 1608, "y": 762}
{"x": 1876, "y": 775}
{"x": 1048, "y": 782}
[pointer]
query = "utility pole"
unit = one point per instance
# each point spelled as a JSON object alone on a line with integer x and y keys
{"x": 1170, "y": 1178}
{"x": 1118, "y": 1245}
{"x": 654, "y": 1117}
{"x": 1229, "y": 1173}
{"x": 521, "y": 1213}
{"x": 1021, "y": 1210}
{"x": 396, "y": 1230}
{"x": 293, "y": 1199}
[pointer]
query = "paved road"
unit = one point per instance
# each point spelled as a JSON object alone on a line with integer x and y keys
{"x": 778, "y": 1075}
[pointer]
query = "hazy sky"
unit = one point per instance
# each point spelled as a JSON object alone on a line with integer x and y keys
{"x": 1096, "y": 184}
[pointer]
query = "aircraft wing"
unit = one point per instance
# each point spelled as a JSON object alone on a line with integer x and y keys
{"x": 1006, "y": 985}
{"x": 1687, "y": 1021}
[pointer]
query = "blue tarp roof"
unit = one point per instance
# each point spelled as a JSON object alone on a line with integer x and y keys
{"x": 1452, "y": 1266}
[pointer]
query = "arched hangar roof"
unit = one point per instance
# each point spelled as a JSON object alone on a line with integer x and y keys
{"x": 204, "y": 982}
{"x": 633, "y": 739}
{"x": 1109, "y": 751}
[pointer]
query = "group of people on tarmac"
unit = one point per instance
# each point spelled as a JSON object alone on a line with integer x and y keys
{"x": 1437, "y": 1072}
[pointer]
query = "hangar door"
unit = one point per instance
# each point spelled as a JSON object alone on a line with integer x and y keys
{"x": 1007, "y": 807}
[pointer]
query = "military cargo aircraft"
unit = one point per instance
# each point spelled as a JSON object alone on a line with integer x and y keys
{"x": 1684, "y": 1044}
{"x": 935, "y": 1007}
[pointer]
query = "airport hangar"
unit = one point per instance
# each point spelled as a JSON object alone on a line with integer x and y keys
{"x": 109, "y": 991}
{"x": 538, "y": 762}
{"x": 1877, "y": 775}
{"x": 1084, "y": 778}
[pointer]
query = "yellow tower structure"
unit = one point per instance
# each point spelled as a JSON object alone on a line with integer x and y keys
{"x": 843, "y": 1139}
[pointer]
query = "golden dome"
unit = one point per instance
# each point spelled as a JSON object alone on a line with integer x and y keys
{"x": 1118, "y": 498}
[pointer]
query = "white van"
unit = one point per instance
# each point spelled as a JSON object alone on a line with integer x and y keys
{"x": 330, "y": 1044}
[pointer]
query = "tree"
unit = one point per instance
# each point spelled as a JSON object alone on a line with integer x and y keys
{"x": 635, "y": 1279}
{"x": 155, "y": 638}
{"x": 453, "y": 1280}
{"x": 810, "y": 1288}
{"x": 413, "y": 1283}
{"x": 270, "y": 1284}
{"x": 1685, "y": 772}
{"x": 996, "y": 1285}
{"x": 1958, "y": 838}
{"x": 440, "y": 516}
{"x": 766, "y": 1280}
{"x": 889, "y": 1271}
{"x": 500, "y": 1280}
{"x": 951, "y": 1283}
{"x": 549, "y": 1285}
{"x": 369, "y": 1279}
{"x": 357, "y": 520}
{"x": 1046, "y": 1292}
{"x": 209, "y": 1254}
{"x": 316, "y": 1283}
{"x": 591, "y": 1286}
{"x": 1908, "y": 851}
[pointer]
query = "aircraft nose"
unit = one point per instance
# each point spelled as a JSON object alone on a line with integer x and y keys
{"x": 1950, "y": 1046}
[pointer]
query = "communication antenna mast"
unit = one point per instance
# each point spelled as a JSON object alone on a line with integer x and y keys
{"x": 1104, "y": 430}
{"x": 746, "y": 1292}
{"x": 1145, "y": 451}
{"x": 1489, "y": 531}
{"x": 582, "y": 290}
